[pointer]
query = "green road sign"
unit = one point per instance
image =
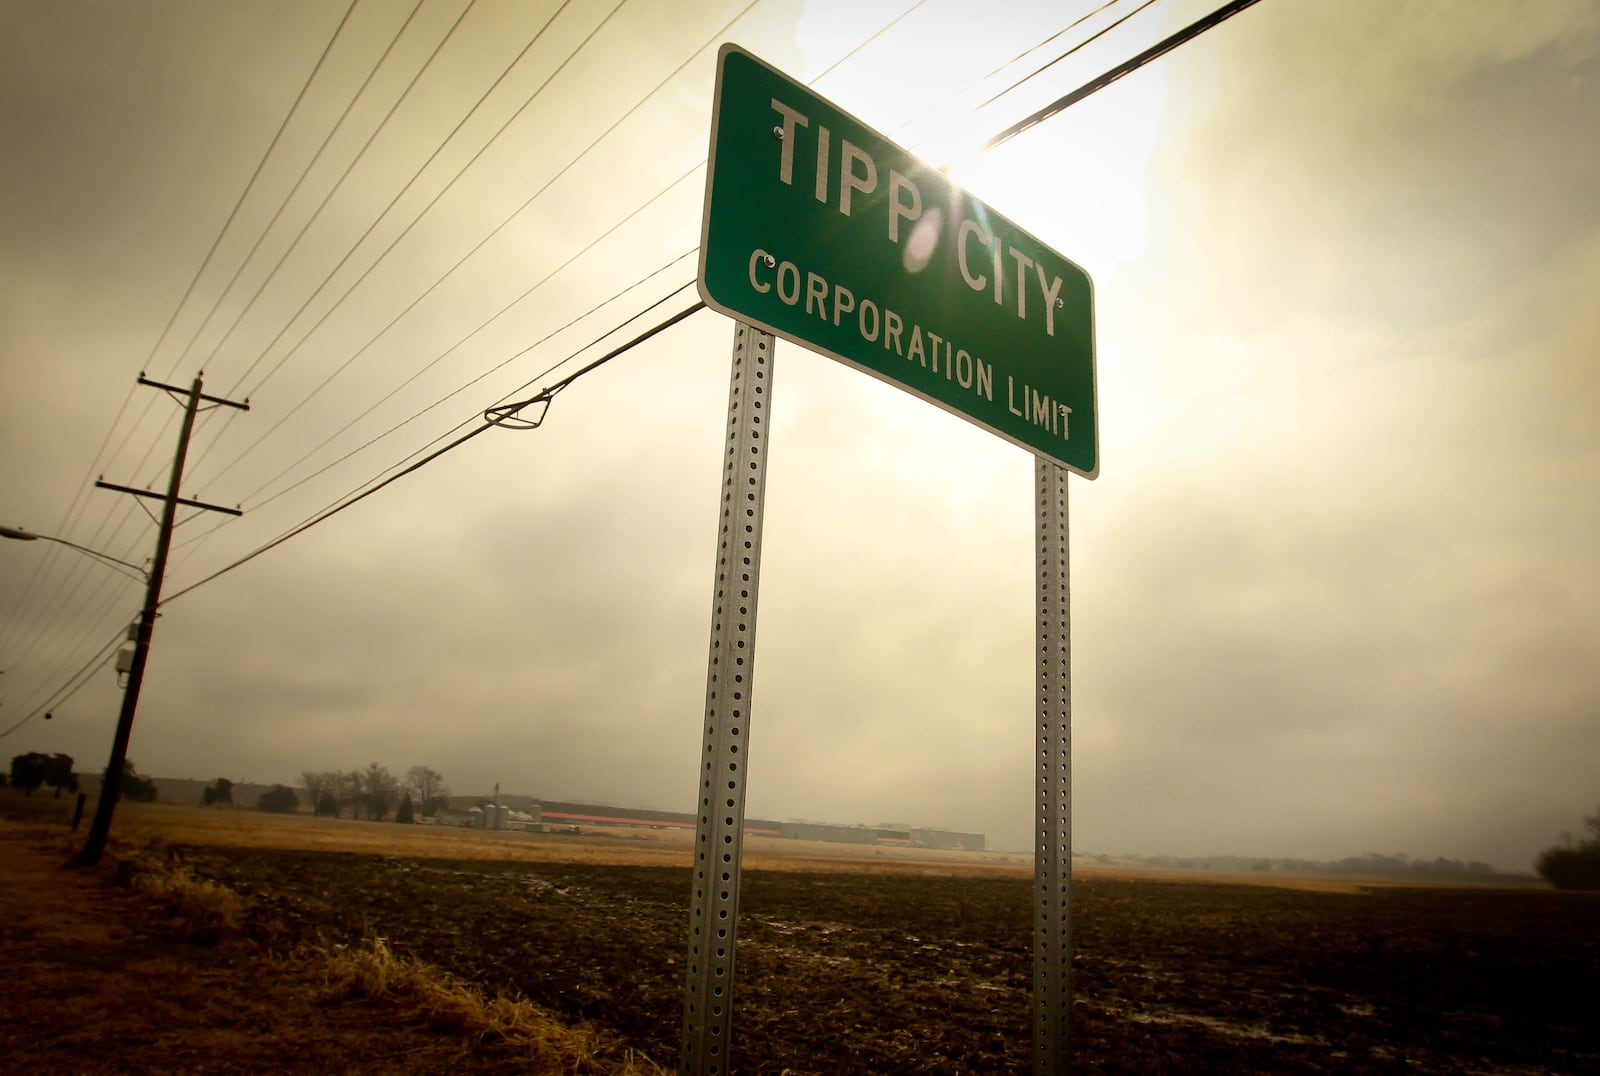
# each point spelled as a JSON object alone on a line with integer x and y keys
{"x": 822, "y": 231}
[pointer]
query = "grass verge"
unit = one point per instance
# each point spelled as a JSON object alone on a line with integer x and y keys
{"x": 422, "y": 993}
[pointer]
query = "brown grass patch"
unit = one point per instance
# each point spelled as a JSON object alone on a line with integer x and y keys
{"x": 139, "y": 954}
{"x": 425, "y": 994}
{"x": 209, "y": 912}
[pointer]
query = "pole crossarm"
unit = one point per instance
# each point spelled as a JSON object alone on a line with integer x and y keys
{"x": 103, "y": 484}
{"x": 245, "y": 406}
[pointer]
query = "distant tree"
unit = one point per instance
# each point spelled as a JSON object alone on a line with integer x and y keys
{"x": 58, "y": 774}
{"x": 1570, "y": 868}
{"x": 217, "y": 793}
{"x": 1573, "y": 865}
{"x": 380, "y": 790}
{"x": 428, "y": 786}
{"x": 27, "y": 771}
{"x": 1577, "y": 866}
{"x": 279, "y": 799}
{"x": 322, "y": 791}
{"x": 352, "y": 792}
{"x": 403, "y": 813}
{"x": 136, "y": 789}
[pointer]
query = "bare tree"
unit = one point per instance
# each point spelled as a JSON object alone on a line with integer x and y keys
{"x": 381, "y": 789}
{"x": 427, "y": 787}
{"x": 322, "y": 791}
{"x": 352, "y": 791}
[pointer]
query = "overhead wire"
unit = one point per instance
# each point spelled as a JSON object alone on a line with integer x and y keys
{"x": 467, "y": 116}
{"x": 332, "y": 191}
{"x": 69, "y": 582}
{"x": 74, "y": 684}
{"x": 249, "y": 186}
{"x": 412, "y": 468}
{"x": 832, "y": 67}
{"x": 260, "y": 439}
{"x": 460, "y": 389}
{"x": 1145, "y": 57}
{"x": 69, "y": 519}
{"x": 899, "y": 18}
{"x": 941, "y": 106}
{"x": 283, "y": 206}
{"x": 500, "y": 415}
{"x": 392, "y": 244}
{"x": 1154, "y": 52}
{"x": 1085, "y": 43}
{"x": 456, "y": 391}
{"x": 518, "y": 211}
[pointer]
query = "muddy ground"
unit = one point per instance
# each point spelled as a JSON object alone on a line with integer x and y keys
{"x": 883, "y": 973}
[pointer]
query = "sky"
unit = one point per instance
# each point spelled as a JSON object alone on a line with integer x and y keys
{"x": 1335, "y": 590}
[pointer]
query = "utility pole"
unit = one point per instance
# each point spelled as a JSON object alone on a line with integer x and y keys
{"x": 111, "y": 789}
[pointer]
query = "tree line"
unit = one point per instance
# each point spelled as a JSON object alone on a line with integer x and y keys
{"x": 373, "y": 792}
{"x": 1372, "y": 863}
{"x": 35, "y": 770}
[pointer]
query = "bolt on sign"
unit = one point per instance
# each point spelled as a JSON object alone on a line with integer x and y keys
{"x": 822, "y": 231}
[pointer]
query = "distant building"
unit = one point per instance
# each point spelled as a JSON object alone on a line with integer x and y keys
{"x": 561, "y": 813}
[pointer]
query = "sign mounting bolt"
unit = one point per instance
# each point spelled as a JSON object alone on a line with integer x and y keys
{"x": 777, "y": 132}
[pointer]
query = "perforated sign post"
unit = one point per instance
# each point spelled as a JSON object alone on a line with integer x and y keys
{"x": 820, "y": 230}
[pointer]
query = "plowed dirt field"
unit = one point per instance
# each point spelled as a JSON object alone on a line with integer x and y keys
{"x": 848, "y": 961}
{"x": 885, "y": 972}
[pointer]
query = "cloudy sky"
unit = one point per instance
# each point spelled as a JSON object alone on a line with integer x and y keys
{"x": 1336, "y": 589}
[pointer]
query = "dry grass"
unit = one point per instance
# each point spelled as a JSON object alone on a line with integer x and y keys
{"x": 208, "y": 912}
{"x": 425, "y": 994}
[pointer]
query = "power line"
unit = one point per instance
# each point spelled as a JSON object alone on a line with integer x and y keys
{"x": 1085, "y": 43}
{"x": 414, "y": 177}
{"x": 462, "y": 388}
{"x": 327, "y": 198}
{"x": 245, "y": 194}
{"x": 854, "y": 51}
{"x": 294, "y": 190}
{"x": 459, "y": 389}
{"x": 1030, "y": 50}
{"x": 1161, "y": 48}
{"x": 283, "y": 206}
{"x": 69, "y": 689}
{"x": 385, "y": 253}
{"x": 502, "y": 414}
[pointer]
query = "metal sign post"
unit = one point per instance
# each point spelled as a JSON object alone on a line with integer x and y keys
{"x": 820, "y": 230}
{"x": 1052, "y": 941}
{"x": 730, "y": 677}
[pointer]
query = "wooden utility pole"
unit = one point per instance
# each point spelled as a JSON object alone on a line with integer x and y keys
{"x": 111, "y": 788}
